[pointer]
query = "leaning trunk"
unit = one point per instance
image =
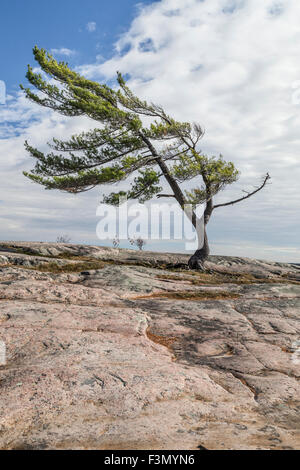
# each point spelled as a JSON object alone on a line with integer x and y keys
{"x": 200, "y": 256}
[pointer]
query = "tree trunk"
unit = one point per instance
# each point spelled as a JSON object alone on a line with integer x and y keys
{"x": 200, "y": 256}
{"x": 198, "y": 259}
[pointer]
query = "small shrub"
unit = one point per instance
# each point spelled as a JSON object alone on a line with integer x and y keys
{"x": 63, "y": 239}
{"x": 138, "y": 242}
{"x": 116, "y": 242}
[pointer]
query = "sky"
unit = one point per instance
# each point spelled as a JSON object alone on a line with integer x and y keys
{"x": 231, "y": 65}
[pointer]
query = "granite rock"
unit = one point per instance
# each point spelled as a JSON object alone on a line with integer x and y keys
{"x": 113, "y": 358}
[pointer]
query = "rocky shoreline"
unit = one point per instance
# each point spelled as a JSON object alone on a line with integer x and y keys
{"x": 117, "y": 349}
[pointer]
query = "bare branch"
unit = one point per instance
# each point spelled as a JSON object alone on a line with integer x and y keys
{"x": 266, "y": 178}
{"x": 165, "y": 195}
{"x": 167, "y": 155}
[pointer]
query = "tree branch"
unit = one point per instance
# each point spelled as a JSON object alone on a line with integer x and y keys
{"x": 164, "y": 195}
{"x": 178, "y": 194}
{"x": 266, "y": 178}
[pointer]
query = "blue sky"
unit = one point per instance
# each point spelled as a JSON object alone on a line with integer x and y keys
{"x": 231, "y": 65}
{"x": 60, "y": 24}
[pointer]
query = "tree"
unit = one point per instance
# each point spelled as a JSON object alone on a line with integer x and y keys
{"x": 122, "y": 145}
{"x": 63, "y": 239}
{"x": 116, "y": 242}
{"x": 138, "y": 242}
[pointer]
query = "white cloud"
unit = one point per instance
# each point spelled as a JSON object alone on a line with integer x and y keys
{"x": 91, "y": 26}
{"x": 63, "y": 51}
{"x": 230, "y": 65}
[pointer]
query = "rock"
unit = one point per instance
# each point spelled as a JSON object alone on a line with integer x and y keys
{"x": 216, "y": 263}
{"x": 115, "y": 358}
{"x": 3, "y": 260}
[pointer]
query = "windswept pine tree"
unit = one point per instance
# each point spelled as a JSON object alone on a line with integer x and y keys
{"x": 122, "y": 145}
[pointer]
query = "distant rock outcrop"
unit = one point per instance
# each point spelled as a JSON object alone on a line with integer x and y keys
{"x": 117, "y": 349}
